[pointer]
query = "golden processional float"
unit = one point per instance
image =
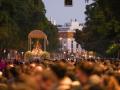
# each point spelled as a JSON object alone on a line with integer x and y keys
{"x": 37, "y": 52}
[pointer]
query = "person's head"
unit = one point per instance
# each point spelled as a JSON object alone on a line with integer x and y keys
{"x": 96, "y": 87}
{"x": 49, "y": 80}
{"x": 59, "y": 70}
{"x": 95, "y": 79}
{"x": 99, "y": 69}
{"x": 84, "y": 70}
{"x": 14, "y": 72}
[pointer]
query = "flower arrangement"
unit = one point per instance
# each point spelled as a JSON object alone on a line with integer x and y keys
{"x": 28, "y": 55}
{"x": 45, "y": 55}
{"x": 36, "y": 53}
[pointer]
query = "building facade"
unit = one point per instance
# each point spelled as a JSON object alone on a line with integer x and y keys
{"x": 66, "y": 37}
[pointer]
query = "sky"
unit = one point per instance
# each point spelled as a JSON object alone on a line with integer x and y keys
{"x": 62, "y": 14}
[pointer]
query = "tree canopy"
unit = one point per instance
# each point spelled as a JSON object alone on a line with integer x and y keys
{"x": 18, "y": 18}
{"x": 102, "y": 27}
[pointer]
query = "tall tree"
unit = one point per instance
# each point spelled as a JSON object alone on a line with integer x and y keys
{"x": 102, "y": 27}
{"x": 18, "y": 18}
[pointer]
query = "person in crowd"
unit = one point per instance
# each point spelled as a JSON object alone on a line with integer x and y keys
{"x": 60, "y": 75}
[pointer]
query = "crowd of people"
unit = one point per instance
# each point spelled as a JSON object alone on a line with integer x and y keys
{"x": 60, "y": 75}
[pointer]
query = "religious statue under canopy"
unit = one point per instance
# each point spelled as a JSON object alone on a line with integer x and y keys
{"x": 37, "y": 45}
{"x": 37, "y": 48}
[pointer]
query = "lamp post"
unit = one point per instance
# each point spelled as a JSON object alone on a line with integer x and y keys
{"x": 60, "y": 39}
{"x": 69, "y": 43}
{"x": 4, "y": 54}
{"x": 22, "y": 55}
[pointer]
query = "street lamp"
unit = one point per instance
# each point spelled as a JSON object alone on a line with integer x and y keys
{"x": 69, "y": 39}
{"x": 60, "y": 43}
{"x": 69, "y": 44}
{"x": 22, "y": 55}
{"x": 60, "y": 39}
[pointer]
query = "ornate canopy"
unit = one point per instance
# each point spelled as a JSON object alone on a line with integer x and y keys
{"x": 37, "y": 34}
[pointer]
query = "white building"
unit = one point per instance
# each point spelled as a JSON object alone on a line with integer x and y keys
{"x": 66, "y": 36}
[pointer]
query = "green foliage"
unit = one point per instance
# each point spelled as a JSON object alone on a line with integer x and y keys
{"x": 102, "y": 27}
{"x": 113, "y": 49}
{"x": 18, "y": 18}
